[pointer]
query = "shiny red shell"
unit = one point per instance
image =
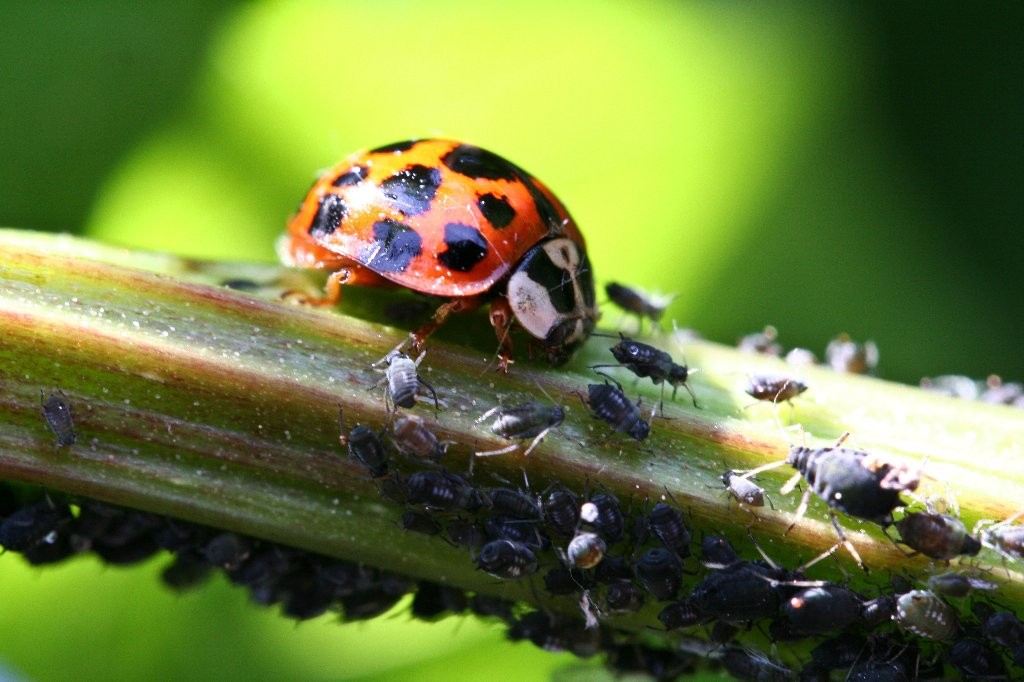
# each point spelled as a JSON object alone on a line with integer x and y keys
{"x": 436, "y": 216}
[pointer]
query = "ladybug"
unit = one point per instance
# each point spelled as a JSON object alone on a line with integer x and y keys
{"x": 452, "y": 220}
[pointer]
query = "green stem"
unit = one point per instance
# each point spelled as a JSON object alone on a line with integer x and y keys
{"x": 219, "y": 406}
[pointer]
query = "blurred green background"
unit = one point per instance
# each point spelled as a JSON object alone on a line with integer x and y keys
{"x": 824, "y": 168}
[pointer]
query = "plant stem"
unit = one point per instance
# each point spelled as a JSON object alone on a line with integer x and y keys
{"x": 220, "y": 406}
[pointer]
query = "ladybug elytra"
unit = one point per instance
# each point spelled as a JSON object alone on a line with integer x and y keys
{"x": 451, "y": 220}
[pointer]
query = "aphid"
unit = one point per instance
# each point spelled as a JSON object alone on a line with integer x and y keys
{"x": 441, "y": 490}
{"x": 506, "y": 559}
{"x": 976, "y": 661}
{"x": 647, "y": 361}
{"x": 57, "y": 412}
{"x": 514, "y": 503}
{"x": 801, "y": 357}
{"x": 744, "y": 664}
{"x": 364, "y": 445}
{"x": 614, "y": 569}
{"x": 957, "y": 585}
{"x": 609, "y": 404}
{"x": 743, "y": 489}
{"x": 33, "y": 524}
{"x": 1003, "y": 537}
{"x": 561, "y": 581}
{"x": 556, "y": 633}
{"x": 1004, "y": 628}
{"x": 660, "y": 572}
{"x": 764, "y": 342}
{"x": 777, "y": 389}
{"x": 403, "y": 379}
{"x": 420, "y": 522}
{"x": 188, "y": 570}
{"x": 372, "y": 602}
{"x": 528, "y": 420}
{"x": 938, "y": 536}
{"x": 561, "y": 512}
{"x": 639, "y": 303}
{"x": 878, "y": 611}
{"x": 524, "y": 531}
{"x": 845, "y": 355}
{"x": 678, "y": 615}
{"x": 924, "y": 614}
{"x": 433, "y": 600}
{"x": 413, "y": 437}
{"x": 623, "y": 597}
{"x": 228, "y": 550}
{"x": 718, "y": 551}
{"x": 837, "y": 653}
{"x": 607, "y": 520}
{"x": 465, "y": 533}
{"x": 1000, "y": 393}
{"x": 855, "y": 482}
{"x": 737, "y": 593}
{"x": 823, "y": 610}
{"x": 667, "y": 524}
{"x": 586, "y": 550}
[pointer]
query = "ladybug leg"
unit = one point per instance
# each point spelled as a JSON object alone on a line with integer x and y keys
{"x": 501, "y": 320}
{"x": 463, "y": 304}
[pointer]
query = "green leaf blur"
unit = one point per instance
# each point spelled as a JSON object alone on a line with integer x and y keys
{"x": 823, "y": 168}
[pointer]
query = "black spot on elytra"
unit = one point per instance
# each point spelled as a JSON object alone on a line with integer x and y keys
{"x": 466, "y": 247}
{"x": 394, "y": 246}
{"x": 545, "y": 209}
{"x": 403, "y": 146}
{"x": 474, "y": 162}
{"x": 328, "y": 216}
{"x": 353, "y": 176}
{"x": 411, "y": 190}
{"x": 496, "y": 210}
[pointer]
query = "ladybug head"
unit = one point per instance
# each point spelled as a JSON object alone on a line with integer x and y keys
{"x": 551, "y": 294}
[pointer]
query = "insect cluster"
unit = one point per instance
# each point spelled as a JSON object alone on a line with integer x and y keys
{"x": 455, "y": 221}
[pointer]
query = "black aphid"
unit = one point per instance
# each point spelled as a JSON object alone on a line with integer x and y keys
{"x": 823, "y": 610}
{"x": 519, "y": 422}
{"x": 938, "y": 536}
{"x": 228, "y": 550}
{"x": 608, "y": 520}
{"x": 33, "y": 524}
{"x": 637, "y": 302}
{"x": 645, "y": 361}
{"x": 365, "y": 446}
{"x": 506, "y": 559}
{"x": 421, "y": 522}
{"x": 739, "y": 592}
{"x": 513, "y": 503}
{"x": 667, "y": 524}
{"x": 609, "y": 404}
{"x": 976, "y": 661}
{"x": 660, "y": 572}
{"x": 433, "y": 600}
{"x": 774, "y": 388}
{"x": 561, "y": 581}
{"x": 463, "y": 533}
{"x": 524, "y": 531}
{"x": 561, "y": 512}
{"x": 623, "y": 597}
{"x": 678, "y": 615}
{"x": 957, "y": 585}
{"x": 442, "y": 491}
{"x": 718, "y": 551}
{"x": 57, "y": 412}
{"x": 745, "y": 664}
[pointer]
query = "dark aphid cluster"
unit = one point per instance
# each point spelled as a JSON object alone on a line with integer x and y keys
{"x": 646, "y": 361}
{"x": 637, "y": 302}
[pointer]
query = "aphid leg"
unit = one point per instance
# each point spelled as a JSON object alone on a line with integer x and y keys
{"x": 536, "y": 441}
{"x": 846, "y": 542}
{"x": 502, "y": 451}
{"x": 800, "y": 510}
{"x": 433, "y": 393}
{"x": 824, "y": 555}
{"x": 487, "y": 414}
{"x": 788, "y": 486}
